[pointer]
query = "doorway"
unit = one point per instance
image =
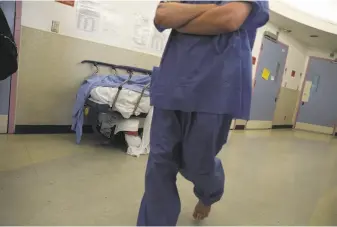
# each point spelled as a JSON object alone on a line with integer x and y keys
{"x": 267, "y": 84}
{"x": 8, "y": 7}
{"x": 318, "y": 109}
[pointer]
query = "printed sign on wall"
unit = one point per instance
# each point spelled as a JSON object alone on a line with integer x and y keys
{"x": 306, "y": 91}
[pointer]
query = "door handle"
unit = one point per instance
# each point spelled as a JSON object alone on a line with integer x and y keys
{"x": 278, "y": 67}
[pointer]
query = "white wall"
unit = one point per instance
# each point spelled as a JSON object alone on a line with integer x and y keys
{"x": 295, "y": 59}
{"x": 114, "y": 23}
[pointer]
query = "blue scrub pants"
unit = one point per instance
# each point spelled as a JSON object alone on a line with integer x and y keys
{"x": 187, "y": 143}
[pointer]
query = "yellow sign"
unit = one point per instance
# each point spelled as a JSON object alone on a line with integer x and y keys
{"x": 86, "y": 111}
{"x": 265, "y": 74}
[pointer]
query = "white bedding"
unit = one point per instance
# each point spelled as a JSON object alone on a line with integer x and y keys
{"x": 126, "y": 101}
{"x": 136, "y": 145}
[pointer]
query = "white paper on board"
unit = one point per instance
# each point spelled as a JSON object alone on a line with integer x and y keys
{"x": 88, "y": 16}
{"x": 142, "y": 27}
{"x": 159, "y": 40}
{"x": 306, "y": 91}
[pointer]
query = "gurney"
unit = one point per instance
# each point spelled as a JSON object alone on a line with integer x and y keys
{"x": 115, "y": 105}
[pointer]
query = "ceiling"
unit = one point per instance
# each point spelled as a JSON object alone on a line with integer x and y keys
{"x": 302, "y": 33}
{"x": 322, "y": 9}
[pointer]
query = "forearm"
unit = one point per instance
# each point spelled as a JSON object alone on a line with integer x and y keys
{"x": 175, "y": 15}
{"x": 203, "y": 25}
{"x": 218, "y": 20}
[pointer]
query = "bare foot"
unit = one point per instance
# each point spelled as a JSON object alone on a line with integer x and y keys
{"x": 201, "y": 211}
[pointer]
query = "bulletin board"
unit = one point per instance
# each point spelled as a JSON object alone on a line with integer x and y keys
{"x": 124, "y": 24}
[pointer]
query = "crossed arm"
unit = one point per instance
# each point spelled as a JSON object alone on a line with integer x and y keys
{"x": 202, "y": 19}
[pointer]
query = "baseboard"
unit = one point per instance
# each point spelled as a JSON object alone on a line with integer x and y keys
{"x": 48, "y": 129}
{"x": 3, "y": 123}
{"x": 315, "y": 128}
{"x": 239, "y": 127}
{"x": 282, "y": 126}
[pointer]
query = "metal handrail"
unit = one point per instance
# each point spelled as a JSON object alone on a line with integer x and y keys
{"x": 131, "y": 70}
{"x": 123, "y": 67}
{"x": 139, "y": 98}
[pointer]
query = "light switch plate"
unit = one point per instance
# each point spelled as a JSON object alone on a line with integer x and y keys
{"x": 55, "y": 26}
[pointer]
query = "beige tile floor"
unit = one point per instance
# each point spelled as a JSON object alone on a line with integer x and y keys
{"x": 273, "y": 178}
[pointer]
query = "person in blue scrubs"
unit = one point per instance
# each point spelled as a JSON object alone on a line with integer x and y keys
{"x": 204, "y": 80}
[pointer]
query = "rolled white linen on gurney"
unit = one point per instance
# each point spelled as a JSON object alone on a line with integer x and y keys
{"x": 126, "y": 101}
{"x": 136, "y": 146}
{"x": 144, "y": 148}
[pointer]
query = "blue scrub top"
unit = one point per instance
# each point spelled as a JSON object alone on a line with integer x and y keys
{"x": 211, "y": 74}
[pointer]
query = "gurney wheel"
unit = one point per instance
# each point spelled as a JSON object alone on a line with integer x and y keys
{"x": 116, "y": 140}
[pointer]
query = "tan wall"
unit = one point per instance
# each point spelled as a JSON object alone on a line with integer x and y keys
{"x": 286, "y": 107}
{"x": 240, "y": 122}
{"x": 50, "y": 73}
{"x": 3, "y": 123}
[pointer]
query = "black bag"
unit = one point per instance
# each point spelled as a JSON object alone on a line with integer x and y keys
{"x": 8, "y": 50}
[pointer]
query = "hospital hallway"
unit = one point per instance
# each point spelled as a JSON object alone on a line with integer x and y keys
{"x": 273, "y": 178}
